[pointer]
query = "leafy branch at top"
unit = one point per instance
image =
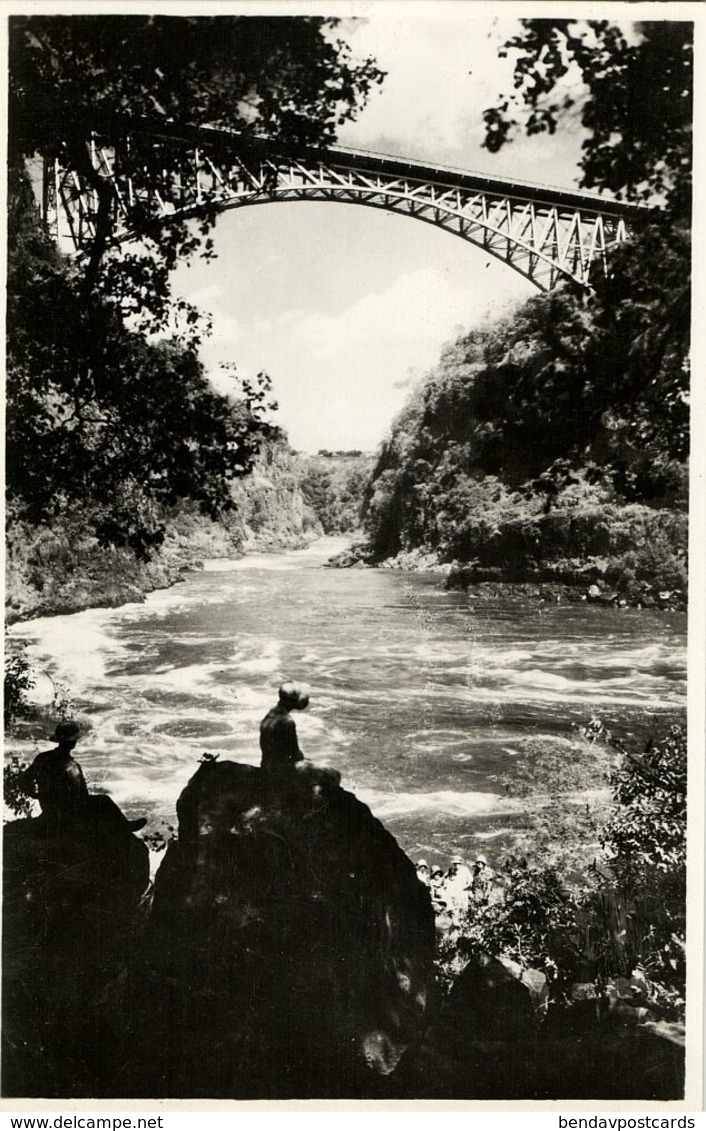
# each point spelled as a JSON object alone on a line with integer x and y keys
{"x": 634, "y": 93}
{"x": 288, "y": 79}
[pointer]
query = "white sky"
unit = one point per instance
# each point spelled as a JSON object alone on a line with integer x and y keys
{"x": 343, "y": 305}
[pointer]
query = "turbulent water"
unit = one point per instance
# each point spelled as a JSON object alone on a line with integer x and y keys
{"x": 418, "y": 696}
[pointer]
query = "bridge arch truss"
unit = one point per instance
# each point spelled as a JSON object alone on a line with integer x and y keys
{"x": 545, "y": 234}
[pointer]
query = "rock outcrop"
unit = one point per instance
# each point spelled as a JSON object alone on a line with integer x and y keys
{"x": 71, "y": 898}
{"x": 289, "y": 936}
{"x": 270, "y": 507}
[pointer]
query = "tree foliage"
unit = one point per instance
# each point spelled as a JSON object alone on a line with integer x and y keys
{"x": 98, "y": 417}
{"x": 17, "y": 681}
{"x": 645, "y": 843}
{"x": 288, "y": 79}
{"x": 101, "y": 420}
{"x": 333, "y": 485}
{"x": 636, "y": 101}
{"x": 647, "y": 836}
{"x": 637, "y": 109}
{"x": 15, "y": 799}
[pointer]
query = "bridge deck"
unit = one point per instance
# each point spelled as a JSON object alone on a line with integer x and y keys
{"x": 341, "y": 157}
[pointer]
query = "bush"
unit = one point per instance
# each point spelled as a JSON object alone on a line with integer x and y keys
{"x": 536, "y": 922}
{"x": 17, "y": 682}
{"x": 623, "y": 924}
{"x": 647, "y": 837}
{"x": 15, "y": 797}
{"x": 645, "y": 844}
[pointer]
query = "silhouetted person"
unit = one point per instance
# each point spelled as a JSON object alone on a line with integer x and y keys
{"x": 56, "y": 779}
{"x": 278, "y": 731}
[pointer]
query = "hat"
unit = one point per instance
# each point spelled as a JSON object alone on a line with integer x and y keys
{"x": 66, "y": 731}
{"x": 292, "y": 696}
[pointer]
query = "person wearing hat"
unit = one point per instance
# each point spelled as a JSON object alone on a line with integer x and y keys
{"x": 56, "y": 779}
{"x": 278, "y": 731}
{"x": 482, "y": 878}
{"x": 423, "y": 872}
{"x": 457, "y": 885}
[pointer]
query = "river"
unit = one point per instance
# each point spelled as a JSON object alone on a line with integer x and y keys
{"x": 419, "y": 697}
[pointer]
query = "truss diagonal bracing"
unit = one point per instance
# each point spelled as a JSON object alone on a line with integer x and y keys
{"x": 546, "y": 234}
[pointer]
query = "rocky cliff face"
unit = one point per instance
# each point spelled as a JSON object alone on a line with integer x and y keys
{"x": 288, "y": 950}
{"x": 271, "y": 511}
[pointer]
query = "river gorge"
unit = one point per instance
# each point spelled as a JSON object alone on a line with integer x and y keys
{"x": 420, "y": 697}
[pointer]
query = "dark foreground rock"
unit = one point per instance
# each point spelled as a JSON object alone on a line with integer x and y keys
{"x": 495, "y": 1039}
{"x": 288, "y": 953}
{"x": 290, "y": 945}
{"x": 70, "y": 910}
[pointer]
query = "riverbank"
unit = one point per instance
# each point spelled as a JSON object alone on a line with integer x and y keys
{"x": 51, "y": 572}
{"x": 79, "y": 573}
{"x": 51, "y": 575}
{"x": 287, "y": 502}
{"x": 65, "y": 568}
{"x": 593, "y": 582}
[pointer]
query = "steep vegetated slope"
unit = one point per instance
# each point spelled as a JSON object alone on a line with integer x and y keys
{"x": 334, "y": 485}
{"x": 552, "y": 443}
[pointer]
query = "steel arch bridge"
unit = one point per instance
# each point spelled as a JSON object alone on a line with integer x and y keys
{"x": 545, "y": 234}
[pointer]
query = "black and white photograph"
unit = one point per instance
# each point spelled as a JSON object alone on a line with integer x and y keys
{"x": 349, "y": 640}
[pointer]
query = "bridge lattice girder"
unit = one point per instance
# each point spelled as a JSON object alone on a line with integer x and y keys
{"x": 545, "y": 234}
